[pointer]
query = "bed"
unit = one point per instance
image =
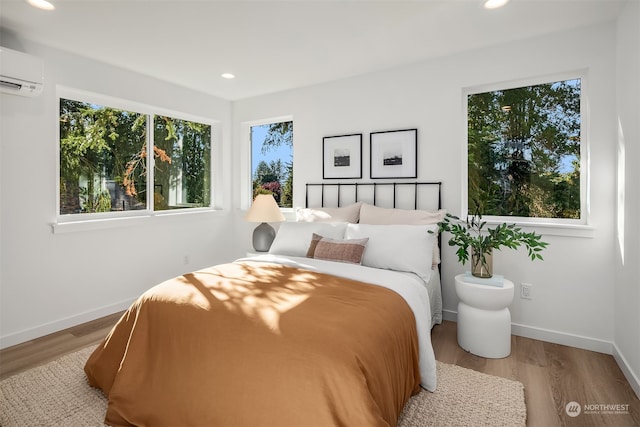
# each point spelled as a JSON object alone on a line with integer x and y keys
{"x": 300, "y": 336}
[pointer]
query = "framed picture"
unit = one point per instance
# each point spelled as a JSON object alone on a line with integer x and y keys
{"x": 342, "y": 156}
{"x": 394, "y": 154}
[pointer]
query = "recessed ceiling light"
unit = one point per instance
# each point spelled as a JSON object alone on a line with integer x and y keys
{"x": 494, "y": 4}
{"x": 41, "y": 4}
{"x": 228, "y": 76}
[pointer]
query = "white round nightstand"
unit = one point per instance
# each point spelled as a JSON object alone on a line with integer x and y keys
{"x": 484, "y": 320}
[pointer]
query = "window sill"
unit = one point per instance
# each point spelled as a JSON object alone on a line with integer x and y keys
{"x": 71, "y": 226}
{"x": 550, "y": 229}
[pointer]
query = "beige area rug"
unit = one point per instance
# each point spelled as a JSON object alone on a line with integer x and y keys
{"x": 57, "y": 394}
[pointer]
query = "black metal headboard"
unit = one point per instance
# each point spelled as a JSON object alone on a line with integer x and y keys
{"x": 372, "y": 193}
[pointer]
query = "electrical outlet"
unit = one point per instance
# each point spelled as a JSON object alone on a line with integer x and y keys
{"x": 525, "y": 290}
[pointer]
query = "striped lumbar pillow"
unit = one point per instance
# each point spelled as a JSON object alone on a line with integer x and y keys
{"x": 350, "y": 250}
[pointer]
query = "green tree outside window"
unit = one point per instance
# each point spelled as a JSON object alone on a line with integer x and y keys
{"x": 524, "y": 151}
{"x": 104, "y": 160}
{"x": 274, "y": 175}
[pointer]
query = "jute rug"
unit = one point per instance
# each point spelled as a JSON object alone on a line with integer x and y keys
{"x": 57, "y": 394}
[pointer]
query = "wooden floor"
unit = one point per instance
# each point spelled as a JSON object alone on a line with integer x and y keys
{"x": 42, "y": 350}
{"x": 553, "y": 375}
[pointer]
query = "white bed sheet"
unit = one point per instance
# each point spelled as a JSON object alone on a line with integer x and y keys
{"x": 408, "y": 285}
{"x": 434, "y": 287}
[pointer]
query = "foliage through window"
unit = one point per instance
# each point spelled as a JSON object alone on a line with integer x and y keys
{"x": 104, "y": 160}
{"x": 272, "y": 161}
{"x": 524, "y": 151}
{"x": 185, "y": 180}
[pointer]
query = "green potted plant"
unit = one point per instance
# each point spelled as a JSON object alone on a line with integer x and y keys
{"x": 474, "y": 233}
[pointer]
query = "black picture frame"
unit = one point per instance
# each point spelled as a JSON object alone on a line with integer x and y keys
{"x": 342, "y": 156}
{"x": 394, "y": 154}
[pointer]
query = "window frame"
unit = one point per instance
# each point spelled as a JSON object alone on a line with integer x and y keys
{"x": 108, "y": 219}
{"x": 560, "y": 226}
{"x": 246, "y": 178}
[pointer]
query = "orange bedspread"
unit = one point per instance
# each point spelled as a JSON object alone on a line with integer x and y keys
{"x": 258, "y": 344}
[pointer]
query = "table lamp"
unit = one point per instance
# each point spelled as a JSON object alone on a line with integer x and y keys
{"x": 264, "y": 209}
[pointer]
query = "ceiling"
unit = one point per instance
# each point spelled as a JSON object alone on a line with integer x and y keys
{"x": 273, "y": 46}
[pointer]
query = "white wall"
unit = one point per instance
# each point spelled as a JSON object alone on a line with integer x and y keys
{"x": 627, "y": 289}
{"x": 51, "y": 281}
{"x": 573, "y": 288}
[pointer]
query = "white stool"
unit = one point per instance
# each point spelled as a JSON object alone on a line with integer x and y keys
{"x": 484, "y": 320}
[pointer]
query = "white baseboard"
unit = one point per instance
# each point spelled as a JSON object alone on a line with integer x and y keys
{"x": 633, "y": 379}
{"x": 549, "y": 335}
{"x": 49, "y": 328}
{"x": 451, "y": 316}
{"x": 556, "y": 337}
{"x": 571, "y": 340}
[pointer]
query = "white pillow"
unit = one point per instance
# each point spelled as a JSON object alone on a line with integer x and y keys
{"x": 370, "y": 214}
{"x": 397, "y": 247}
{"x": 293, "y": 238}
{"x": 349, "y": 213}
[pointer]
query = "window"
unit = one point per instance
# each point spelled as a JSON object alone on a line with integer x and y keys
{"x": 524, "y": 151}
{"x": 182, "y": 177}
{"x": 272, "y": 161}
{"x": 105, "y": 167}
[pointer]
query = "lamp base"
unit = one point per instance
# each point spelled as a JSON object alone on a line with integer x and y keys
{"x": 263, "y": 236}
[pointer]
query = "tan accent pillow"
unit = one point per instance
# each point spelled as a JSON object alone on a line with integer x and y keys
{"x": 349, "y": 251}
{"x": 370, "y": 214}
{"x": 349, "y": 213}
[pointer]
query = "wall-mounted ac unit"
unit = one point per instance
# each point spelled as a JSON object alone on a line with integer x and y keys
{"x": 20, "y": 73}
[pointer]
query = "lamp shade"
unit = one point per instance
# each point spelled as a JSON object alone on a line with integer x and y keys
{"x": 264, "y": 209}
